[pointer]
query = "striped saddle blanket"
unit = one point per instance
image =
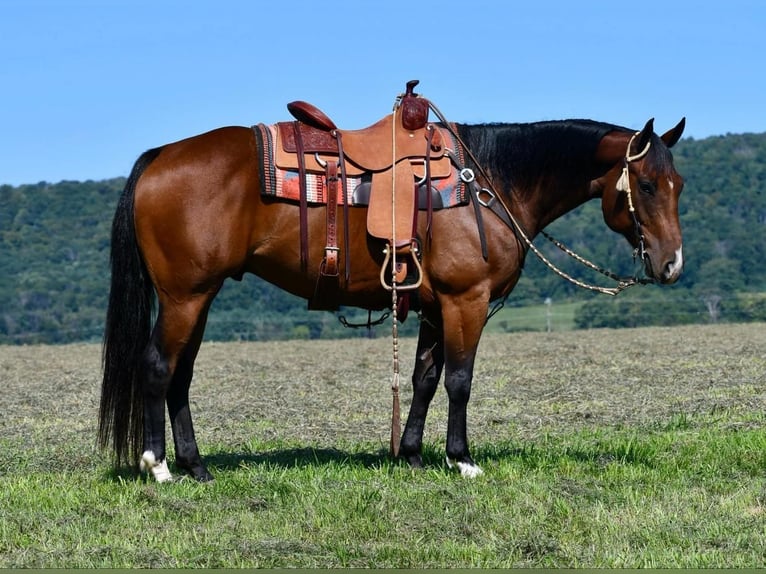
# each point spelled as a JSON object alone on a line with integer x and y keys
{"x": 284, "y": 183}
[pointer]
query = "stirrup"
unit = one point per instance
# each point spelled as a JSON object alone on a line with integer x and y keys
{"x": 410, "y": 286}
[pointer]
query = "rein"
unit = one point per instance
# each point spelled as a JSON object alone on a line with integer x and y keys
{"x": 494, "y": 198}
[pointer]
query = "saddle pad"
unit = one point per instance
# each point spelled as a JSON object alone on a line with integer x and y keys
{"x": 284, "y": 184}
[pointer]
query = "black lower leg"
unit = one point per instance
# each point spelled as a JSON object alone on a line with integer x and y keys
{"x": 458, "y": 384}
{"x": 155, "y": 388}
{"x": 187, "y": 452}
{"x": 425, "y": 381}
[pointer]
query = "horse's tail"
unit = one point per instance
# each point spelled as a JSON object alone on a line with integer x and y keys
{"x": 127, "y": 331}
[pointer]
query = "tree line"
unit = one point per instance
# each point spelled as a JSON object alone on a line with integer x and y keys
{"x": 54, "y": 260}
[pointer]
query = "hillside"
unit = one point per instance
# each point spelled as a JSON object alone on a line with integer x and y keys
{"x": 54, "y": 251}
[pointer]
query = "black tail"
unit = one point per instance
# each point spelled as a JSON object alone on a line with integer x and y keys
{"x": 127, "y": 332}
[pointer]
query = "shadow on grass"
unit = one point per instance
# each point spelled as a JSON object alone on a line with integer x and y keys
{"x": 296, "y": 457}
{"x": 531, "y": 455}
{"x": 292, "y": 457}
{"x": 300, "y": 457}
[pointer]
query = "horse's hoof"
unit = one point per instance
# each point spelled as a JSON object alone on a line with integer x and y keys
{"x": 203, "y": 476}
{"x": 415, "y": 461}
{"x": 467, "y": 469}
{"x": 159, "y": 470}
{"x": 195, "y": 470}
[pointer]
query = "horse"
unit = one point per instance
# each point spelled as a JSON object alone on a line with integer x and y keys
{"x": 192, "y": 214}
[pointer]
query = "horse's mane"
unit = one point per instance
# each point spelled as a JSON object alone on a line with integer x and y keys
{"x": 518, "y": 155}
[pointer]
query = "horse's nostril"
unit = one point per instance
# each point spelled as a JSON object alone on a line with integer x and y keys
{"x": 672, "y": 270}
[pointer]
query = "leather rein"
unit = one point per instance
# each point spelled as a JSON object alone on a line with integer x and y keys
{"x": 489, "y": 197}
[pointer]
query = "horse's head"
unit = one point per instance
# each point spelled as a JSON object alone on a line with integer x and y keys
{"x": 640, "y": 196}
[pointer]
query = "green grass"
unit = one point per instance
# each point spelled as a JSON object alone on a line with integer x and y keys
{"x": 688, "y": 495}
{"x": 642, "y": 448}
{"x": 534, "y": 318}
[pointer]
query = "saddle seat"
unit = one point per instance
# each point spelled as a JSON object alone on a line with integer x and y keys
{"x": 397, "y": 150}
{"x": 369, "y": 149}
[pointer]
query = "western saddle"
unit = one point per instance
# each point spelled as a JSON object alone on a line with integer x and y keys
{"x": 402, "y": 151}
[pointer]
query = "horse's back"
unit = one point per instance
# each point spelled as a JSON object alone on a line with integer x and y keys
{"x": 201, "y": 217}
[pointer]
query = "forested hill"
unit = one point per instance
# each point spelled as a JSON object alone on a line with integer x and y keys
{"x": 54, "y": 257}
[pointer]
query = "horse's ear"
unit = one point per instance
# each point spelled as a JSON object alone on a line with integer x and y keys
{"x": 644, "y": 137}
{"x": 671, "y": 137}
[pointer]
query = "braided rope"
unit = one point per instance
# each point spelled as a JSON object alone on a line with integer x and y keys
{"x": 395, "y": 410}
{"x": 623, "y": 184}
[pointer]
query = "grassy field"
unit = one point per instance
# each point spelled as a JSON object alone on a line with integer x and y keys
{"x": 627, "y": 448}
{"x": 560, "y": 317}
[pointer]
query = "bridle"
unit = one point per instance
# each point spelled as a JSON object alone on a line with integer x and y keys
{"x": 490, "y": 198}
{"x": 623, "y": 184}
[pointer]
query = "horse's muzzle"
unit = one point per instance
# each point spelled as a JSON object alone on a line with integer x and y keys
{"x": 668, "y": 271}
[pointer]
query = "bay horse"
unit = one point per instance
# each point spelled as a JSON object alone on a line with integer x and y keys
{"x": 192, "y": 214}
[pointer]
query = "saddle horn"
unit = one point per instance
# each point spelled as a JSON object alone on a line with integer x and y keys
{"x": 414, "y": 108}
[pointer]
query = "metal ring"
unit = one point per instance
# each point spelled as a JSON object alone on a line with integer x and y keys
{"x": 425, "y": 175}
{"x": 489, "y": 193}
{"x": 320, "y": 161}
{"x": 467, "y": 175}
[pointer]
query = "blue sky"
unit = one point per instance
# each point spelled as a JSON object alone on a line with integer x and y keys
{"x": 87, "y": 85}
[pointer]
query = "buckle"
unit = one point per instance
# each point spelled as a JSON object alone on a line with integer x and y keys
{"x": 467, "y": 175}
{"x": 489, "y": 201}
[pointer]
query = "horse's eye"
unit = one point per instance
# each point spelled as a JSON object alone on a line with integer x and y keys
{"x": 646, "y": 187}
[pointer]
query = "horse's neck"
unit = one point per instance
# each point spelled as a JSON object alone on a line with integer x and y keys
{"x": 551, "y": 200}
{"x": 544, "y": 168}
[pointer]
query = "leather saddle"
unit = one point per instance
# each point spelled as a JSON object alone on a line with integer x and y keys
{"x": 398, "y": 150}
{"x": 402, "y": 151}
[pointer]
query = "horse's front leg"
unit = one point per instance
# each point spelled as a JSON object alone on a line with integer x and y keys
{"x": 457, "y": 380}
{"x": 464, "y": 320}
{"x": 429, "y": 362}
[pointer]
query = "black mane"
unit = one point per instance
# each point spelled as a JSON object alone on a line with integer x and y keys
{"x": 518, "y": 155}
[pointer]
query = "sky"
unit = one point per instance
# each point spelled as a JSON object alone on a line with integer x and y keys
{"x": 87, "y": 85}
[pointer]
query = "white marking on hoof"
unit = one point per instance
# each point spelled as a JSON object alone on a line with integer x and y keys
{"x": 466, "y": 469}
{"x": 159, "y": 470}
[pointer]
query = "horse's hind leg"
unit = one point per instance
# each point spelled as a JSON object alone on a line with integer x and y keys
{"x": 187, "y": 452}
{"x": 168, "y": 364}
{"x": 425, "y": 380}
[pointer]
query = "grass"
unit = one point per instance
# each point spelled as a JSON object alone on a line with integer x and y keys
{"x": 640, "y": 448}
{"x": 535, "y": 318}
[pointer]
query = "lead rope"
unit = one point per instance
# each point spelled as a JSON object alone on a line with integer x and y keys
{"x": 395, "y": 410}
{"x": 623, "y": 184}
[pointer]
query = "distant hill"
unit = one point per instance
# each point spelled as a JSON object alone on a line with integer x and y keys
{"x": 54, "y": 259}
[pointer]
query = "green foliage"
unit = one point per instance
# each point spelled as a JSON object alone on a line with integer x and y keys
{"x": 54, "y": 252}
{"x": 54, "y": 259}
{"x": 675, "y": 309}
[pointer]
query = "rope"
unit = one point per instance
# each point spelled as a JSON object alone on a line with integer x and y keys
{"x": 623, "y": 184}
{"x": 395, "y": 410}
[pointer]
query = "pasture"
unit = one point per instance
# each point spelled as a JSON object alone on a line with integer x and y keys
{"x": 604, "y": 448}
